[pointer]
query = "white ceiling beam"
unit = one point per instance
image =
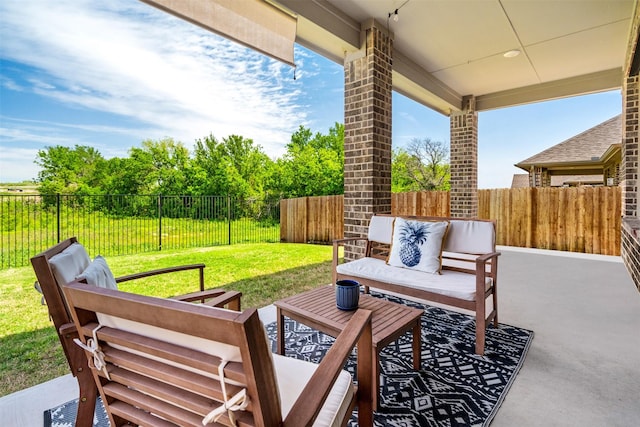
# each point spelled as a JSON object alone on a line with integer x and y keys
{"x": 580, "y": 85}
{"x": 433, "y": 92}
{"x": 410, "y": 79}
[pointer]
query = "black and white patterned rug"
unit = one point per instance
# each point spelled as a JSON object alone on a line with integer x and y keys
{"x": 454, "y": 387}
{"x": 65, "y": 415}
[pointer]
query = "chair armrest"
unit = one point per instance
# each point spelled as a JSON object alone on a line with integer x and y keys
{"x": 481, "y": 271}
{"x": 340, "y": 242}
{"x": 347, "y": 239}
{"x": 67, "y": 330}
{"x": 164, "y": 271}
{"x": 308, "y": 405}
{"x": 482, "y": 260}
{"x": 336, "y": 244}
{"x": 213, "y": 298}
{"x": 75, "y": 355}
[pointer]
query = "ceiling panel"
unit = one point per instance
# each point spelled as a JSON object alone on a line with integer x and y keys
{"x": 450, "y": 48}
{"x": 448, "y": 34}
{"x": 489, "y": 75}
{"x": 536, "y": 21}
{"x": 580, "y": 53}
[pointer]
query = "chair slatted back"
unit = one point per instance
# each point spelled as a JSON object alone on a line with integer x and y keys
{"x": 171, "y": 374}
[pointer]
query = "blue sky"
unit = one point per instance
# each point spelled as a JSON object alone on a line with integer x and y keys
{"x": 112, "y": 74}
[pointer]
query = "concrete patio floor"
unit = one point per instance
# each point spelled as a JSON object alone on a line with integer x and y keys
{"x": 583, "y": 368}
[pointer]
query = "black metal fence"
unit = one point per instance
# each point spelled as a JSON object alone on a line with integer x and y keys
{"x": 128, "y": 224}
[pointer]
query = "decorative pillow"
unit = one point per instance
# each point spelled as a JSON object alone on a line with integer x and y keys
{"x": 417, "y": 245}
{"x": 99, "y": 274}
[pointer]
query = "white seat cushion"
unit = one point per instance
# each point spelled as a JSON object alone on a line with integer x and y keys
{"x": 293, "y": 375}
{"x": 451, "y": 283}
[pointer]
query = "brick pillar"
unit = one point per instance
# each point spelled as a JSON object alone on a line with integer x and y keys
{"x": 630, "y": 235}
{"x": 464, "y": 160}
{"x": 629, "y": 173}
{"x": 630, "y": 136}
{"x": 367, "y": 134}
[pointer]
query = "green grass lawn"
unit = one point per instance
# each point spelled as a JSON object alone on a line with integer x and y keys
{"x": 30, "y": 352}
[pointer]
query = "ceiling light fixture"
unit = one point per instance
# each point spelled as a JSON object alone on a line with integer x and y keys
{"x": 512, "y": 53}
{"x": 394, "y": 15}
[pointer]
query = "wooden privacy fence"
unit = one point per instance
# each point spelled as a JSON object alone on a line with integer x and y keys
{"x": 577, "y": 219}
{"x": 312, "y": 219}
{"x": 422, "y": 203}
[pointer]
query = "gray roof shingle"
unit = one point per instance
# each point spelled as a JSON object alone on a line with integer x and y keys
{"x": 520, "y": 180}
{"x": 586, "y": 146}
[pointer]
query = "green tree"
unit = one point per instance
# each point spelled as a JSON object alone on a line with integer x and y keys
{"x": 234, "y": 166}
{"x": 422, "y": 166}
{"x": 313, "y": 164}
{"x": 158, "y": 167}
{"x": 76, "y": 170}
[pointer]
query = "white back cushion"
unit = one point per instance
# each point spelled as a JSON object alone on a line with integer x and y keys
{"x": 472, "y": 237}
{"x": 381, "y": 229}
{"x": 69, "y": 263}
{"x": 222, "y": 350}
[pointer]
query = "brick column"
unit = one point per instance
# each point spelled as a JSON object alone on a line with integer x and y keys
{"x": 629, "y": 168}
{"x": 464, "y": 160}
{"x": 630, "y": 235}
{"x": 629, "y": 165}
{"x": 367, "y": 134}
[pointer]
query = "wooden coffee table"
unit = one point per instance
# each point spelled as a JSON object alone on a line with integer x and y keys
{"x": 317, "y": 309}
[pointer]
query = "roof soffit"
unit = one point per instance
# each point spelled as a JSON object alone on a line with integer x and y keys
{"x": 456, "y": 47}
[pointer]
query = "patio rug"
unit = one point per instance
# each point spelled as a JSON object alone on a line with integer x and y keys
{"x": 455, "y": 387}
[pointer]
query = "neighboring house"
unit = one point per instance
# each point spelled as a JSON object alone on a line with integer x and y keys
{"x": 590, "y": 158}
{"x": 521, "y": 180}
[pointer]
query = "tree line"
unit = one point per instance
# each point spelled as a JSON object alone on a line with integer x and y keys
{"x": 312, "y": 165}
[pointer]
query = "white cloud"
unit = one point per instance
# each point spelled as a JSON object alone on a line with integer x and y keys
{"x": 129, "y": 59}
{"x": 16, "y": 164}
{"x": 10, "y": 84}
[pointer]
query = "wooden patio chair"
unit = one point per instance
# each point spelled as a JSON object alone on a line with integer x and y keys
{"x": 159, "y": 362}
{"x": 49, "y": 278}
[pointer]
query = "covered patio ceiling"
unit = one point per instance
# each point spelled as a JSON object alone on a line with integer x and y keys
{"x": 446, "y": 49}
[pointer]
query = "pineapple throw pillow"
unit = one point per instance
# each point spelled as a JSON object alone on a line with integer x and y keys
{"x": 417, "y": 245}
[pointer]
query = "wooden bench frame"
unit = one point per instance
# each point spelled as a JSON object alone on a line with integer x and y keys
{"x": 482, "y": 266}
